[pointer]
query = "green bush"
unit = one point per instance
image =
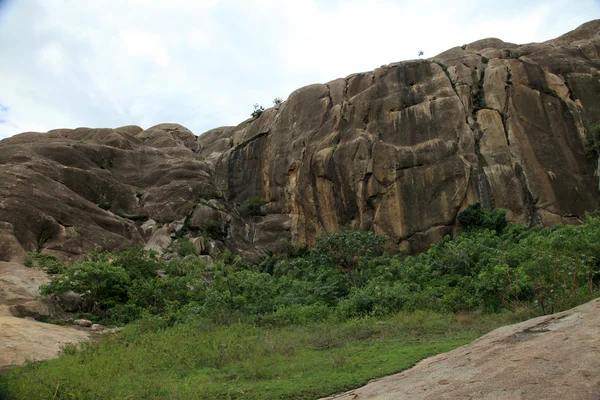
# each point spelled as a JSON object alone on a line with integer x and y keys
{"x": 183, "y": 247}
{"x": 491, "y": 267}
{"x": 592, "y": 145}
{"x": 253, "y": 206}
{"x": 477, "y": 217}
{"x": 345, "y": 249}
{"x": 258, "y": 110}
{"x": 297, "y": 315}
{"x": 100, "y": 282}
{"x": 45, "y": 262}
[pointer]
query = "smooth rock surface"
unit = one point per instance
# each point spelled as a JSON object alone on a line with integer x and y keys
{"x": 551, "y": 357}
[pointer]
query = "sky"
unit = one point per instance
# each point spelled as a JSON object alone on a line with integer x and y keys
{"x": 203, "y": 64}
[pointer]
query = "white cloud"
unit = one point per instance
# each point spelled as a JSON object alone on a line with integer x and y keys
{"x": 203, "y": 64}
{"x": 52, "y": 58}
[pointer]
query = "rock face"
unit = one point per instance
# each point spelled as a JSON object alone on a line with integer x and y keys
{"x": 23, "y": 338}
{"x": 400, "y": 150}
{"x": 551, "y": 357}
{"x": 19, "y": 293}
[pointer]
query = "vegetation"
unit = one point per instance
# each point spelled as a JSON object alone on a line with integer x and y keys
{"x": 592, "y": 146}
{"x": 45, "y": 262}
{"x": 233, "y": 330}
{"x": 104, "y": 204}
{"x": 277, "y": 100}
{"x": 200, "y": 360}
{"x": 252, "y": 206}
{"x": 492, "y": 267}
{"x": 258, "y": 110}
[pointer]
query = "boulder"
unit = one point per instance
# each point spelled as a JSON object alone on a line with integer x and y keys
{"x": 83, "y": 322}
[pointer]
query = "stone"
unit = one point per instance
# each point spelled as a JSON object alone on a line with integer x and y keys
{"x": 71, "y": 301}
{"x": 98, "y": 327}
{"x": 83, "y": 322}
{"x": 199, "y": 244}
{"x": 160, "y": 240}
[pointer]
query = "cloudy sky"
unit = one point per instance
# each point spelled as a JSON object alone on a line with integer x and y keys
{"x": 203, "y": 64}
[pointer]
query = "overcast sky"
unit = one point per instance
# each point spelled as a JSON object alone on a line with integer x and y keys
{"x": 203, "y": 64}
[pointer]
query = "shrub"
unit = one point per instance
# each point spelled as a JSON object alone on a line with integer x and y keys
{"x": 477, "y": 217}
{"x": 183, "y": 247}
{"x": 100, "y": 282}
{"x": 253, "y": 206}
{"x": 297, "y": 315}
{"x": 592, "y": 145}
{"x": 45, "y": 262}
{"x": 277, "y": 100}
{"x": 104, "y": 204}
{"x": 138, "y": 262}
{"x": 258, "y": 110}
{"x": 345, "y": 249}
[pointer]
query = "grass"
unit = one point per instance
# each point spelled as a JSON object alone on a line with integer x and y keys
{"x": 199, "y": 360}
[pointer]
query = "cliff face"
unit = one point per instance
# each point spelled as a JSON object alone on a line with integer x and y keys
{"x": 400, "y": 150}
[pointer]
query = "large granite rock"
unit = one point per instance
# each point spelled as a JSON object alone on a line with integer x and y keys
{"x": 400, "y": 150}
{"x": 551, "y": 357}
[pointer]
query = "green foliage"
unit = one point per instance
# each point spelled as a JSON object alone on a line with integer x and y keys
{"x": 345, "y": 249}
{"x": 476, "y": 217}
{"x": 277, "y": 100}
{"x": 100, "y": 282}
{"x": 183, "y": 247}
{"x": 200, "y": 360}
{"x": 104, "y": 204}
{"x": 592, "y": 145}
{"x": 45, "y": 262}
{"x": 252, "y": 206}
{"x": 209, "y": 193}
{"x": 258, "y": 110}
{"x": 491, "y": 267}
{"x": 267, "y": 330}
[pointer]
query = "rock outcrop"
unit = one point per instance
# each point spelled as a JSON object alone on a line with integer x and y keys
{"x": 551, "y": 357}
{"x": 400, "y": 150}
{"x": 23, "y": 338}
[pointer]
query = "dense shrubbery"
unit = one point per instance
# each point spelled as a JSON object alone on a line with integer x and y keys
{"x": 252, "y": 206}
{"x": 491, "y": 267}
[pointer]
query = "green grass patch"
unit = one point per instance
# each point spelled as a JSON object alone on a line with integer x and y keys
{"x": 200, "y": 360}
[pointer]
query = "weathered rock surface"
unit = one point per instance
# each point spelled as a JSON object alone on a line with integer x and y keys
{"x": 400, "y": 150}
{"x": 551, "y": 357}
{"x": 21, "y": 336}
{"x": 25, "y": 339}
{"x": 19, "y": 293}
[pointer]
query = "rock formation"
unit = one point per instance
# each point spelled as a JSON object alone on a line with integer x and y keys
{"x": 23, "y": 338}
{"x": 400, "y": 150}
{"x": 551, "y": 357}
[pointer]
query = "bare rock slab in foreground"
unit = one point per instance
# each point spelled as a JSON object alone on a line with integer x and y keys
{"x": 25, "y": 339}
{"x": 551, "y": 357}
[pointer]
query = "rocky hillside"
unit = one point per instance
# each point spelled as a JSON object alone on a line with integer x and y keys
{"x": 400, "y": 150}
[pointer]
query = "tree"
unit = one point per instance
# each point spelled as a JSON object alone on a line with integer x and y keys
{"x": 421, "y": 53}
{"x": 277, "y": 100}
